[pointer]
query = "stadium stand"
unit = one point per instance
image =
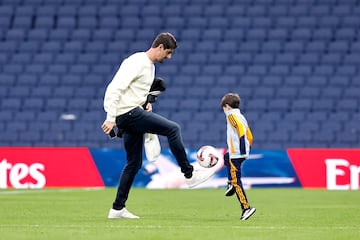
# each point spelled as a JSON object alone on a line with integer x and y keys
{"x": 295, "y": 64}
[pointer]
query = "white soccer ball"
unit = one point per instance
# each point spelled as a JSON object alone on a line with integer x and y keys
{"x": 207, "y": 156}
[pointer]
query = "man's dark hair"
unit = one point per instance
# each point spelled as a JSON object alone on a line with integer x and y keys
{"x": 231, "y": 99}
{"x": 166, "y": 39}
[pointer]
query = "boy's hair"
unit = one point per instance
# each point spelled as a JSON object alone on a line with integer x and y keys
{"x": 166, "y": 39}
{"x": 231, "y": 99}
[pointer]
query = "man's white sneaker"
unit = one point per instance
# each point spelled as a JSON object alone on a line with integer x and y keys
{"x": 123, "y": 213}
{"x": 200, "y": 175}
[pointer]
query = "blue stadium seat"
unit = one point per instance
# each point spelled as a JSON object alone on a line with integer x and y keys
{"x": 256, "y": 34}
{"x": 307, "y": 21}
{"x": 42, "y": 92}
{"x": 251, "y": 47}
{"x": 264, "y": 92}
{"x": 78, "y": 104}
{"x": 58, "y": 69}
{"x": 259, "y": 104}
{"x": 67, "y": 11}
{"x": 219, "y": 22}
{"x": 112, "y": 23}
{"x": 271, "y": 47}
{"x": 215, "y": 34}
{"x": 192, "y": 10}
{"x": 346, "y": 70}
{"x": 20, "y": 91}
{"x": 66, "y": 22}
{"x": 317, "y": 81}
{"x": 309, "y": 92}
{"x": 131, "y": 22}
{"x": 5, "y": 22}
{"x": 323, "y": 34}
{"x": 110, "y": 10}
{"x": 65, "y": 58}
{"x": 205, "y": 46}
{"x": 6, "y": 115}
{"x": 85, "y": 92}
{"x": 212, "y": 68}
{"x": 64, "y": 92}
{"x": 95, "y": 116}
{"x": 73, "y": 46}
{"x": 56, "y": 104}
{"x": 257, "y": 70}
{"x": 234, "y": 70}
{"x": 14, "y": 68}
{"x": 21, "y": 58}
{"x": 281, "y": 70}
{"x": 279, "y": 105}
{"x": 348, "y": 139}
{"x": 9, "y": 137}
{"x": 48, "y": 116}
{"x": 49, "y": 80}
{"x": 35, "y": 68}
{"x": 16, "y": 34}
{"x": 87, "y": 22}
{"x": 16, "y": 125}
{"x": 345, "y": 34}
{"x": 317, "y": 116}
{"x": 348, "y": 105}
{"x": 256, "y": 10}
{"x": 79, "y": 69}
{"x": 339, "y": 116}
{"x": 81, "y": 34}
{"x": 234, "y": 34}
{"x": 8, "y": 46}
{"x": 264, "y": 58}
{"x": 325, "y": 70}
{"x": 7, "y": 10}
{"x": 270, "y": 117}
{"x": 350, "y": 21}
{"x": 43, "y": 58}
{"x": 351, "y": 93}
{"x": 22, "y": 22}
{"x": 51, "y": 47}
{"x": 28, "y": 137}
{"x": 198, "y": 92}
{"x": 285, "y": 58}
{"x": 302, "y": 104}
{"x": 308, "y": 59}
{"x": 294, "y": 47}
{"x": 323, "y": 105}
{"x": 332, "y": 92}
{"x": 331, "y": 59}
{"x": 188, "y": 34}
{"x": 190, "y": 104}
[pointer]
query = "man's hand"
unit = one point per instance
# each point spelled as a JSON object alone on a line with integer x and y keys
{"x": 148, "y": 107}
{"x": 107, "y": 126}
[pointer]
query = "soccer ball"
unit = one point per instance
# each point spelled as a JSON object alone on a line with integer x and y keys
{"x": 207, "y": 156}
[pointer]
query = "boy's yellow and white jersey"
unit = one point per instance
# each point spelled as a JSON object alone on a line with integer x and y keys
{"x": 239, "y": 135}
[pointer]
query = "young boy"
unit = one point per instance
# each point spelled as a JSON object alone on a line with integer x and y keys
{"x": 239, "y": 141}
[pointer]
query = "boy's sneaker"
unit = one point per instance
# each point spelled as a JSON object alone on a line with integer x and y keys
{"x": 247, "y": 213}
{"x": 123, "y": 213}
{"x": 200, "y": 175}
{"x": 230, "y": 190}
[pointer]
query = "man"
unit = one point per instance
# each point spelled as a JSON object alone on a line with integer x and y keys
{"x": 123, "y": 101}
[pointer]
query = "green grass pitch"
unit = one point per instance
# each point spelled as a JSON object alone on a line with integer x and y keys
{"x": 179, "y": 214}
